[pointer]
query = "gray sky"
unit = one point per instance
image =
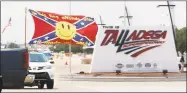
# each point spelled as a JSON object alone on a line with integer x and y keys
{"x": 145, "y": 13}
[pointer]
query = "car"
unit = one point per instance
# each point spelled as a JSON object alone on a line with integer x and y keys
{"x": 41, "y": 67}
{"x": 49, "y": 56}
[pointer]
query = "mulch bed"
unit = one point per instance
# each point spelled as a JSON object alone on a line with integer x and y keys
{"x": 139, "y": 74}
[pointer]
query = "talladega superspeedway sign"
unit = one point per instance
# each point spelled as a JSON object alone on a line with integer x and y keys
{"x": 134, "y": 49}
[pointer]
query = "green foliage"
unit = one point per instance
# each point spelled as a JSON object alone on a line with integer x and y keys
{"x": 65, "y": 48}
{"x": 62, "y": 52}
{"x": 13, "y": 45}
{"x": 181, "y": 39}
{"x": 89, "y": 50}
{"x": 76, "y": 48}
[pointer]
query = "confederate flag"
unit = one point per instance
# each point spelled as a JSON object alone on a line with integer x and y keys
{"x": 46, "y": 26}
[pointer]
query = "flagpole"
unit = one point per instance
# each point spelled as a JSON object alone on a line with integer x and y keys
{"x": 70, "y": 44}
{"x": 70, "y": 58}
{"x": 25, "y": 26}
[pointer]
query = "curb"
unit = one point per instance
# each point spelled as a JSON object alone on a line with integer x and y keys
{"x": 124, "y": 79}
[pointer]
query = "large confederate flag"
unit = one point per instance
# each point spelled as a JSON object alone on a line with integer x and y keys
{"x": 51, "y": 28}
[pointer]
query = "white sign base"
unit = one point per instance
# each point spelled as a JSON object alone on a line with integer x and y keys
{"x": 135, "y": 49}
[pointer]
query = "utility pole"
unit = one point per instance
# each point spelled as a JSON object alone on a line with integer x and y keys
{"x": 101, "y": 21}
{"x": 126, "y": 15}
{"x": 171, "y": 7}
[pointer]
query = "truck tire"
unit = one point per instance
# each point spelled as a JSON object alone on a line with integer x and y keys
{"x": 1, "y": 85}
{"x": 41, "y": 85}
{"x": 50, "y": 84}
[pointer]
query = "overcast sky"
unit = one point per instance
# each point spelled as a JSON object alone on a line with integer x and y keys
{"x": 145, "y": 13}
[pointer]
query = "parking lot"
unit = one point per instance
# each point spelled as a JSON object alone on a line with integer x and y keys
{"x": 63, "y": 85}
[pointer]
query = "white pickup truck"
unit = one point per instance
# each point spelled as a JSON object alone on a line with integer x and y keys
{"x": 41, "y": 68}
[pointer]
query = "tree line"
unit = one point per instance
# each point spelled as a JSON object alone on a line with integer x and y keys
{"x": 181, "y": 40}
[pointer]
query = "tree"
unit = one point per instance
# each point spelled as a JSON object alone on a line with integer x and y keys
{"x": 65, "y": 48}
{"x": 76, "y": 49}
{"x": 89, "y": 50}
{"x": 13, "y": 45}
{"x": 57, "y": 48}
{"x": 181, "y": 39}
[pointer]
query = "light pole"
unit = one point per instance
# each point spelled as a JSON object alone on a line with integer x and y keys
{"x": 171, "y": 19}
{"x": 70, "y": 44}
{"x": 126, "y": 15}
{"x": 101, "y": 21}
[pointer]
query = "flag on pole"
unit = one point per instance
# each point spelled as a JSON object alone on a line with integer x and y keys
{"x": 9, "y": 24}
{"x": 51, "y": 28}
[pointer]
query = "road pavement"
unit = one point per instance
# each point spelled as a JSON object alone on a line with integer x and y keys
{"x": 63, "y": 85}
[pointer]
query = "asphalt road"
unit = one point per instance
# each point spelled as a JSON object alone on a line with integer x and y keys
{"x": 62, "y": 85}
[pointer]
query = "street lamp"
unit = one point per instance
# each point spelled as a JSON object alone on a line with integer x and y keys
{"x": 171, "y": 6}
{"x": 101, "y": 21}
{"x": 127, "y": 16}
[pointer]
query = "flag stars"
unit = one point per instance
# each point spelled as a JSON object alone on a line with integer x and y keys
{"x": 34, "y": 41}
{"x": 46, "y": 38}
{"x": 89, "y": 44}
{"x": 82, "y": 23}
{"x": 39, "y": 41}
{"x": 45, "y": 19}
{"x": 81, "y": 39}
